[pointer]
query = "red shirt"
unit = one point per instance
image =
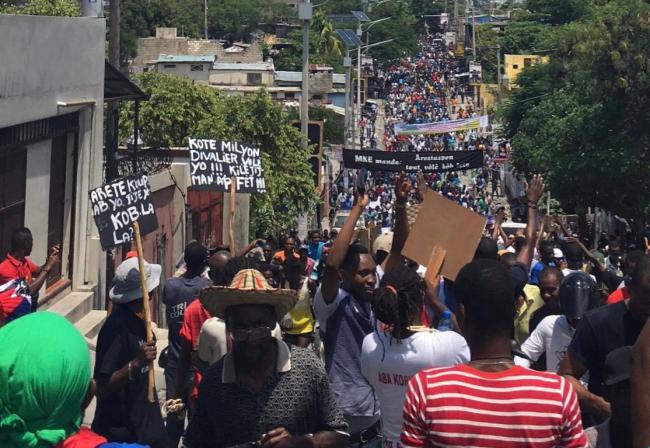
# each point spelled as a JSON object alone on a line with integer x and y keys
{"x": 85, "y": 438}
{"x": 618, "y": 296}
{"x": 461, "y": 406}
{"x": 193, "y": 318}
{"x": 12, "y": 268}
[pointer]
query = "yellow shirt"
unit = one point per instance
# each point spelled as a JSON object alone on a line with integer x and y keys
{"x": 532, "y": 302}
{"x": 300, "y": 320}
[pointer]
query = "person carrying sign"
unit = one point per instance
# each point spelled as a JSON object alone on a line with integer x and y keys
{"x": 123, "y": 359}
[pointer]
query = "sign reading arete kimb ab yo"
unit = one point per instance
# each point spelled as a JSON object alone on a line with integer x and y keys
{"x": 428, "y": 162}
{"x": 117, "y": 204}
{"x": 213, "y": 163}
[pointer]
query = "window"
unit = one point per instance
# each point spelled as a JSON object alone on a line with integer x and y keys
{"x": 528, "y": 62}
{"x": 515, "y": 66}
{"x": 55, "y": 232}
{"x": 13, "y": 166}
{"x": 169, "y": 66}
{"x": 254, "y": 79}
{"x": 290, "y": 95}
{"x": 196, "y": 67}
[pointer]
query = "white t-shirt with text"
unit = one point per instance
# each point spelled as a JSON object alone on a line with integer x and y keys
{"x": 388, "y": 366}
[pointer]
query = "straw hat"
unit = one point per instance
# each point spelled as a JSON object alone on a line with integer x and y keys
{"x": 249, "y": 287}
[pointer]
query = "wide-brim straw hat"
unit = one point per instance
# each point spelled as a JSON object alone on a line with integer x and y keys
{"x": 249, "y": 287}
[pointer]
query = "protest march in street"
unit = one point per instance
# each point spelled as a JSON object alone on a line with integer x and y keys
{"x": 423, "y": 317}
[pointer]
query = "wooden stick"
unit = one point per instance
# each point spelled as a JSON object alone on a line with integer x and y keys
{"x": 145, "y": 305}
{"x": 435, "y": 263}
{"x": 231, "y": 217}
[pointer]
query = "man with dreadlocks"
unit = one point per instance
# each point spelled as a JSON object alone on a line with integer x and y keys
{"x": 389, "y": 358}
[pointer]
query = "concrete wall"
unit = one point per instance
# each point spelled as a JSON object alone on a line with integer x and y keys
{"x": 45, "y": 60}
{"x": 166, "y": 42}
{"x": 183, "y": 70}
{"x": 515, "y": 63}
{"x": 53, "y": 66}
{"x": 238, "y": 78}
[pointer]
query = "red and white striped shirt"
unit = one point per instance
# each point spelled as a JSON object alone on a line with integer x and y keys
{"x": 464, "y": 407}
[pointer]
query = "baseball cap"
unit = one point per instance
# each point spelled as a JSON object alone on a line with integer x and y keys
{"x": 125, "y": 286}
{"x": 557, "y": 253}
{"x": 617, "y": 365}
{"x": 383, "y": 242}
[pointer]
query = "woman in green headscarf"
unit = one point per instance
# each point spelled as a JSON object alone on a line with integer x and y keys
{"x": 44, "y": 380}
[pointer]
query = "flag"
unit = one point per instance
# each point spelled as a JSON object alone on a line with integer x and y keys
{"x": 15, "y": 300}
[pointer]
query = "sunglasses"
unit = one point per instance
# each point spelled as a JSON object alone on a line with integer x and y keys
{"x": 250, "y": 334}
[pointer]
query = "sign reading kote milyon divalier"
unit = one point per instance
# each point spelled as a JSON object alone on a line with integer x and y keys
{"x": 117, "y": 204}
{"x": 213, "y": 163}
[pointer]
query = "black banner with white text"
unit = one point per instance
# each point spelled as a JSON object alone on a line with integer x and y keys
{"x": 428, "y": 162}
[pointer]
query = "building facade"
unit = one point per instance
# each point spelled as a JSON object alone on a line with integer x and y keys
{"x": 51, "y": 118}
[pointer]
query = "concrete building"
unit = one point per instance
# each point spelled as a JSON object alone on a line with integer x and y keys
{"x": 194, "y": 67}
{"x": 168, "y": 42}
{"x": 513, "y": 65}
{"x": 51, "y": 118}
{"x": 255, "y": 74}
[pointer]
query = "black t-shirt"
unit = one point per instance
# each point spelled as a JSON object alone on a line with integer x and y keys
{"x": 126, "y": 412}
{"x": 599, "y": 332}
{"x": 179, "y": 293}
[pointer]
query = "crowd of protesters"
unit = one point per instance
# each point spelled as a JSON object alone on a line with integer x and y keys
{"x": 326, "y": 342}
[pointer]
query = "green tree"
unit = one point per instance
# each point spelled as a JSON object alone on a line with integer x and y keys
{"x": 172, "y": 113}
{"x": 559, "y": 11}
{"x": 591, "y": 135}
{"x": 67, "y": 8}
{"x": 178, "y": 109}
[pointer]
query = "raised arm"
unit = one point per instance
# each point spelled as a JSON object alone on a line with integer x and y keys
{"x": 401, "y": 230}
{"x": 540, "y": 233}
{"x": 534, "y": 192}
{"x": 559, "y": 222}
{"x": 587, "y": 254}
{"x": 330, "y": 282}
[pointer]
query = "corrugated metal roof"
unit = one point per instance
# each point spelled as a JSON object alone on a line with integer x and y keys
{"x": 243, "y": 66}
{"x": 288, "y": 76}
{"x": 184, "y": 58}
{"x": 338, "y": 78}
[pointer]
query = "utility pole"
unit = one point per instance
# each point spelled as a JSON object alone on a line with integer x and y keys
{"x": 347, "y": 63}
{"x": 474, "y": 53}
{"x": 498, "y": 75}
{"x": 305, "y": 15}
{"x": 205, "y": 18}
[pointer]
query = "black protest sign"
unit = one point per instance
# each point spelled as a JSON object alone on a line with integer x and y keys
{"x": 117, "y": 204}
{"x": 428, "y": 162}
{"x": 213, "y": 163}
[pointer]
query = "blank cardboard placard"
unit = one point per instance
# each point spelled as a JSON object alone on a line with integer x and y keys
{"x": 443, "y": 223}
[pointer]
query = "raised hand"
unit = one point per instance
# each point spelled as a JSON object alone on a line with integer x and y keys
{"x": 402, "y": 188}
{"x": 535, "y": 189}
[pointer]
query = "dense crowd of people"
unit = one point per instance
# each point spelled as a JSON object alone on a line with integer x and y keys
{"x": 425, "y": 89}
{"x": 327, "y": 342}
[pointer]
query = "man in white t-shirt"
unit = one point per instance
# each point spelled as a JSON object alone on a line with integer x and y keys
{"x": 578, "y": 294}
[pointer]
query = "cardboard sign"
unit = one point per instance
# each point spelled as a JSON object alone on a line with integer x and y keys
{"x": 118, "y": 204}
{"x": 447, "y": 225}
{"x": 213, "y": 163}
